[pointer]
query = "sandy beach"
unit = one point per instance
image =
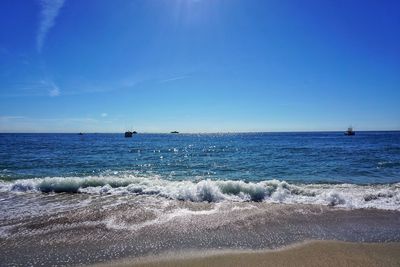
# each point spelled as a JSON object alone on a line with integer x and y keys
{"x": 104, "y": 229}
{"x": 313, "y": 253}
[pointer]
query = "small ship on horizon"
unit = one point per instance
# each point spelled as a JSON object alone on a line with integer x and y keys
{"x": 349, "y": 131}
{"x": 129, "y": 133}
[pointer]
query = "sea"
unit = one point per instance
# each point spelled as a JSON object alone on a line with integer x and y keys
{"x": 107, "y": 196}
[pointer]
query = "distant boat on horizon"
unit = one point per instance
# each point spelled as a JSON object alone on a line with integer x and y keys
{"x": 349, "y": 131}
{"x": 174, "y": 132}
{"x": 128, "y": 134}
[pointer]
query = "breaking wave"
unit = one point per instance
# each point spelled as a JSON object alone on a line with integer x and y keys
{"x": 273, "y": 191}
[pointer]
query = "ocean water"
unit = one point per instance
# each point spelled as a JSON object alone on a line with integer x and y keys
{"x": 68, "y": 200}
{"x": 322, "y": 168}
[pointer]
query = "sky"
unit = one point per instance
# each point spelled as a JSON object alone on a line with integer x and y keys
{"x": 199, "y": 65}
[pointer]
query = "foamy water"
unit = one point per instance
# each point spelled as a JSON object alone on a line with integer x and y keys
{"x": 271, "y": 191}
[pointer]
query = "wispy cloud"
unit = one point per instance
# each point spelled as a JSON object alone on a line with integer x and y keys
{"x": 173, "y": 79}
{"x": 11, "y": 123}
{"x": 38, "y": 88}
{"x": 47, "y": 87}
{"x": 7, "y": 118}
{"x": 54, "y": 91}
{"x": 48, "y": 14}
{"x": 52, "y": 88}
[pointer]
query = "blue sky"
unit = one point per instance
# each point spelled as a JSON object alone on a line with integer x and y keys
{"x": 199, "y": 65}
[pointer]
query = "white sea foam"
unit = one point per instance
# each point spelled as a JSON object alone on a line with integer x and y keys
{"x": 273, "y": 191}
{"x": 162, "y": 218}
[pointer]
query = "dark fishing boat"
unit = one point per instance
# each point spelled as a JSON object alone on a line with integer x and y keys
{"x": 349, "y": 131}
{"x": 174, "y": 132}
{"x": 128, "y": 134}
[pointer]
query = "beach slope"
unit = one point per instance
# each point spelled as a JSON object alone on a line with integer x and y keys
{"x": 313, "y": 253}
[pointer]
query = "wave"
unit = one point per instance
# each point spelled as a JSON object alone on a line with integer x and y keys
{"x": 274, "y": 191}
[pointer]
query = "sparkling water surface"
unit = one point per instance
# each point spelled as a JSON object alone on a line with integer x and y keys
{"x": 324, "y": 157}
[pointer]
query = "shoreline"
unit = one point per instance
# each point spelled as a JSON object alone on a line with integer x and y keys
{"x": 308, "y": 253}
{"x": 82, "y": 229}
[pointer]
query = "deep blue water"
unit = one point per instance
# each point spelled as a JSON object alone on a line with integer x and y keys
{"x": 325, "y": 157}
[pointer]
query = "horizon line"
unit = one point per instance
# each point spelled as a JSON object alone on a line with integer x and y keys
{"x": 222, "y": 132}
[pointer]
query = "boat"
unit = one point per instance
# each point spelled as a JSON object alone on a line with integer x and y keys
{"x": 134, "y": 132}
{"x": 349, "y": 131}
{"x": 174, "y": 132}
{"x": 128, "y": 134}
{"x": 80, "y": 133}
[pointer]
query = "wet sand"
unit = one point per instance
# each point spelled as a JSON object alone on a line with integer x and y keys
{"x": 83, "y": 229}
{"x": 313, "y": 253}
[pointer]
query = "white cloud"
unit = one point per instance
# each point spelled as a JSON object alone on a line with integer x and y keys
{"x": 104, "y": 114}
{"x": 48, "y": 14}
